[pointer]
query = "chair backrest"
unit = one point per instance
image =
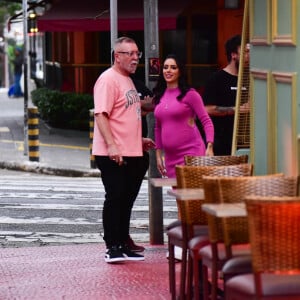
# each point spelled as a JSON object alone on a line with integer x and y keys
{"x": 236, "y": 189}
{"x": 226, "y": 160}
{"x": 190, "y": 212}
{"x": 274, "y": 227}
{"x": 192, "y": 176}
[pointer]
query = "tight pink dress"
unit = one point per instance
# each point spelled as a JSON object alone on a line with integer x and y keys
{"x": 175, "y": 134}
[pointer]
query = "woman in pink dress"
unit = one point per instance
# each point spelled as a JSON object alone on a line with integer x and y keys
{"x": 177, "y": 106}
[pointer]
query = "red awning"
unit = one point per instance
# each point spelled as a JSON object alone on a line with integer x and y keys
{"x": 94, "y": 15}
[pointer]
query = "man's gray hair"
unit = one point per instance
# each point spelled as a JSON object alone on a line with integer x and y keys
{"x": 123, "y": 39}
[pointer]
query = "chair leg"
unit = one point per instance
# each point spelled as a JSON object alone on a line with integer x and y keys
{"x": 195, "y": 272}
{"x": 196, "y": 276}
{"x": 214, "y": 281}
{"x": 205, "y": 282}
{"x": 172, "y": 278}
{"x": 183, "y": 273}
{"x": 190, "y": 277}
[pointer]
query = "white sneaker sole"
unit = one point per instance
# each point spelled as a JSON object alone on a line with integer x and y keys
{"x": 115, "y": 260}
{"x": 134, "y": 258}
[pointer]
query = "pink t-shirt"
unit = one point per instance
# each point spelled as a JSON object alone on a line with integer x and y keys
{"x": 115, "y": 94}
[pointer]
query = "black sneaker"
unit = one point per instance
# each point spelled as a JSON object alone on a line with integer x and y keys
{"x": 130, "y": 255}
{"x": 114, "y": 255}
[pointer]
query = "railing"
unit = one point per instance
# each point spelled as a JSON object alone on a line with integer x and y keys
{"x": 80, "y": 78}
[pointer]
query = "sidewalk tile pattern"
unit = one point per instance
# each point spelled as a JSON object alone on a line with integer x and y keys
{"x": 78, "y": 272}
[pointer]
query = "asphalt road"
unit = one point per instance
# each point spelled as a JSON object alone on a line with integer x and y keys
{"x": 41, "y": 210}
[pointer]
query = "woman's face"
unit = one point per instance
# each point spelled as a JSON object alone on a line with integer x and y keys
{"x": 171, "y": 72}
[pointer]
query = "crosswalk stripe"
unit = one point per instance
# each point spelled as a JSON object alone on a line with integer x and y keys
{"x": 65, "y": 221}
{"x": 73, "y": 207}
{"x": 69, "y": 237}
{"x": 49, "y": 209}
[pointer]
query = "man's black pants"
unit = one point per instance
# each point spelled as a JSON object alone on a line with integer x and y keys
{"x": 122, "y": 185}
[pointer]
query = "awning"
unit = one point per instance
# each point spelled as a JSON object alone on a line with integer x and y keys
{"x": 94, "y": 15}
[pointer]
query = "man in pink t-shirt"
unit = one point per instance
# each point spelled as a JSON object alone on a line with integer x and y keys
{"x": 118, "y": 147}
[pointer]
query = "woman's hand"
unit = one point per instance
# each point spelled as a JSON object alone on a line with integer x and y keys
{"x": 160, "y": 163}
{"x": 209, "y": 150}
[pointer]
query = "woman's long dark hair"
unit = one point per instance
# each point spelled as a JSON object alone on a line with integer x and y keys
{"x": 161, "y": 84}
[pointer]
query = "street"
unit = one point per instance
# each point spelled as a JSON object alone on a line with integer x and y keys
{"x": 41, "y": 210}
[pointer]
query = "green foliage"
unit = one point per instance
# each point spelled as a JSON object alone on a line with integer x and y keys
{"x": 63, "y": 109}
{"x": 8, "y": 9}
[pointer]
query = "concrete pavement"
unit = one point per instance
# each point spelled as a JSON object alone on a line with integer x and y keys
{"x": 62, "y": 152}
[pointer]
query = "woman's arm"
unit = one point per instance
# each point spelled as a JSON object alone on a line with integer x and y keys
{"x": 196, "y": 103}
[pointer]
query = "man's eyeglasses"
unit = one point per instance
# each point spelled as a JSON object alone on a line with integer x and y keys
{"x": 131, "y": 53}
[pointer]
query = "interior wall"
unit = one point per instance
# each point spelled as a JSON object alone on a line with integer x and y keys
{"x": 230, "y": 23}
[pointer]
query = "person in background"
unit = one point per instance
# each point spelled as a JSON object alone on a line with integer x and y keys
{"x": 220, "y": 95}
{"x": 15, "y": 90}
{"x": 2, "y": 65}
{"x": 145, "y": 95}
{"x": 10, "y": 52}
{"x": 176, "y": 107}
{"x": 154, "y": 67}
{"x": 118, "y": 147}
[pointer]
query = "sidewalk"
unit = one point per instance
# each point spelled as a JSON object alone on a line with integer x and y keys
{"x": 62, "y": 152}
{"x": 76, "y": 272}
{"x": 80, "y": 273}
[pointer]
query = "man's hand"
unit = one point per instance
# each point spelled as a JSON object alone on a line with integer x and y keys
{"x": 147, "y": 104}
{"x": 148, "y": 144}
{"x": 115, "y": 154}
{"x": 245, "y": 108}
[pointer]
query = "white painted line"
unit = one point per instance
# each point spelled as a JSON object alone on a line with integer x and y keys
{"x": 4, "y": 129}
{"x": 140, "y": 223}
{"x": 72, "y": 207}
{"x": 54, "y": 237}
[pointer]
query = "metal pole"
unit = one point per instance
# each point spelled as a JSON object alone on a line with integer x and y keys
{"x": 151, "y": 41}
{"x": 25, "y": 70}
{"x": 113, "y": 24}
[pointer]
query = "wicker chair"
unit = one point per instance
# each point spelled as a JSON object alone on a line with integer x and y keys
{"x": 274, "y": 230}
{"x": 193, "y": 221}
{"x": 225, "y": 160}
{"x": 227, "y": 234}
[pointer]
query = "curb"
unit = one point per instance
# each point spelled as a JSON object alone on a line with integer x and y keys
{"x": 39, "y": 168}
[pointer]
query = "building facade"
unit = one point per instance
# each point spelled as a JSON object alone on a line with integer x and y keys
{"x": 78, "y": 48}
{"x": 275, "y": 81}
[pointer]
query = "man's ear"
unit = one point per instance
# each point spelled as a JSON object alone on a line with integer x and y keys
{"x": 113, "y": 56}
{"x": 234, "y": 56}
